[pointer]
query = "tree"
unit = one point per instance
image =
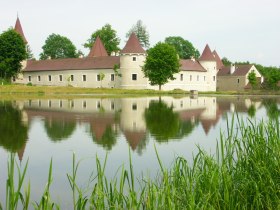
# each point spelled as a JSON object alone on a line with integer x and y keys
{"x": 252, "y": 79}
{"x": 58, "y": 130}
{"x": 141, "y": 32}
{"x": 57, "y": 46}
{"x": 12, "y": 52}
{"x": 161, "y": 63}
{"x": 161, "y": 121}
{"x": 108, "y": 36}
{"x": 29, "y": 52}
{"x": 184, "y": 48}
{"x": 226, "y": 61}
{"x": 14, "y": 132}
{"x": 101, "y": 77}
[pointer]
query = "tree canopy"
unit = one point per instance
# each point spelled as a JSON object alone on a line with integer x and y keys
{"x": 57, "y": 46}
{"x": 184, "y": 48}
{"x": 161, "y": 63}
{"x": 141, "y": 32}
{"x": 14, "y": 132}
{"x": 108, "y": 36}
{"x": 252, "y": 79}
{"x": 12, "y": 52}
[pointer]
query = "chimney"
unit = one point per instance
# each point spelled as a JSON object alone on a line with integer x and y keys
{"x": 232, "y": 68}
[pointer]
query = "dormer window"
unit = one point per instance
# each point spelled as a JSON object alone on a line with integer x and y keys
{"x": 133, "y": 58}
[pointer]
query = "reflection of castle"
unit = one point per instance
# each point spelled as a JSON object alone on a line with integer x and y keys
{"x": 106, "y": 118}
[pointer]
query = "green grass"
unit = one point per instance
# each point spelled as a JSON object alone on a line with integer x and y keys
{"x": 244, "y": 173}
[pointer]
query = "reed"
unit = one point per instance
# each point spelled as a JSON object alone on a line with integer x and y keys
{"x": 244, "y": 173}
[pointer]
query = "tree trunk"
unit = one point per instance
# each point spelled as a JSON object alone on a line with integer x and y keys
{"x": 159, "y": 87}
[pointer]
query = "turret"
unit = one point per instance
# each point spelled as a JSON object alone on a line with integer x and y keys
{"x": 208, "y": 61}
{"x": 19, "y": 30}
{"x": 132, "y": 59}
{"x": 97, "y": 49}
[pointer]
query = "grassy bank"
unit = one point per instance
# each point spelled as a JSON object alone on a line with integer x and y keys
{"x": 243, "y": 174}
{"x": 50, "y": 91}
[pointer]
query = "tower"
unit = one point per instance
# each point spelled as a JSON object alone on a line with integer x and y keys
{"x": 97, "y": 49}
{"x": 208, "y": 61}
{"x": 132, "y": 59}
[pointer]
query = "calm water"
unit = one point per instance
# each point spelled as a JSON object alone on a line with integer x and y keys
{"x": 39, "y": 130}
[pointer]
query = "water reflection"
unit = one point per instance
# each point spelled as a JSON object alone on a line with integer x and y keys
{"x": 107, "y": 120}
{"x": 13, "y": 129}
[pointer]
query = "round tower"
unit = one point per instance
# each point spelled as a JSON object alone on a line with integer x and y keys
{"x": 208, "y": 62}
{"x": 132, "y": 58}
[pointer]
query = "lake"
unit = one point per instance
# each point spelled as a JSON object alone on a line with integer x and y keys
{"x": 39, "y": 130}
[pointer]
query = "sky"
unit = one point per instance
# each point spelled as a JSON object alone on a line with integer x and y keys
{"x": 241, "y": 30}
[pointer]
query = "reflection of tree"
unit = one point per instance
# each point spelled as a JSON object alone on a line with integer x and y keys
{"x": 108, "y": 139}
{"x": 13, "y": 133}
{"x": 252, "y": 111}
{"x": 186, "y": 127}
{"x": 58, "y": 130}
{"x": 142, "y": 145}
{"x": 272, "y": 109}
{"x": 162, "y": 122}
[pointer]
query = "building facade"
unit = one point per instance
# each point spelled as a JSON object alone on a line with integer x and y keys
{"x": 99, "y": 70}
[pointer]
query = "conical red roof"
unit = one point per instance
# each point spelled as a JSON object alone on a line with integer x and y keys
{"x": 218, "y": 60}
{"x": 97, "y": 49}
{"x": 207, "y": 54}
{"x": 19, "y": 30}
{"x": 133, "y": 45}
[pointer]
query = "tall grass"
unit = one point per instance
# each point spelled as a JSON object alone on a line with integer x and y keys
{"x": 244, "y": 173}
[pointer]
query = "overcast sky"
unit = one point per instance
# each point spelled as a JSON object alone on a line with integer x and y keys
{"x": 241, "y": 30}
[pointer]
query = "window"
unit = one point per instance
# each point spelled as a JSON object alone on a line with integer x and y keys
{"x": 112, "y": 105}
{"x": 134, "y": 76}
{"x": 50, "y": 78}
{"x": 238, "y": 80}
{"x": 60, "y": 78}
{"x": 39, "y": 103}
{"x": 181, "y": 77}
{"x": 72, "y": 78}
{"x": 84, "y": 104}
{"x": 84, "y": 78}
{"x": 50, "y": 103}
{"x": 134, "y": 58}
{"x": 29, "y": 78}
{"x": 72, "y": 104}
{"x": 39, "y": 78}
{"x": 190, "y": 77}
{"x": 214, "y": 78}
{"x": 14, "y": 78}
{"x": 98, "y": 77}
{"x": 197, "y": 78}
{"x": 134, "y": 106}
{"x": 204, "y": 78}
{"x": 112, "y": 77}
{"x": 60, "y": 103}
{"x": 98, "y": 105}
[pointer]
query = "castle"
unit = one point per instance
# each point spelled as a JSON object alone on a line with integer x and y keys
{"x": 98, "y": 69}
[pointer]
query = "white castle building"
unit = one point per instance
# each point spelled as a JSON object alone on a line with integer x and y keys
{"x": 194, "y": 74}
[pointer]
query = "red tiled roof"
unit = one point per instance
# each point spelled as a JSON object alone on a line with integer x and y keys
{"x": 19, "y": 30}
{"x": 134, "y": 138}
{"x": 191, "y": 65}
{"x": 133, "y": 45}
{"x": 240, "y": 70}
{"x": 105, "y": 62}
{"x": 218, "y": 60}
{"x": 207, "y": 54}
{"x": 97, "y": 49}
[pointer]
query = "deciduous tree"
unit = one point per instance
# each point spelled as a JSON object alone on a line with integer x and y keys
{"x": 108, "y": 36}
{"x": 184, "y": 48}
{"x": 252, "y": 79}
{"x": 141, "y": 32}
{"x": 12, "y": 52}
{"x": 161, "y": 63}
{"x": 57, "y": 46}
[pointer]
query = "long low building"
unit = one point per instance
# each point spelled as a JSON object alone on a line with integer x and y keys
{"x": 99, "y": 69}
